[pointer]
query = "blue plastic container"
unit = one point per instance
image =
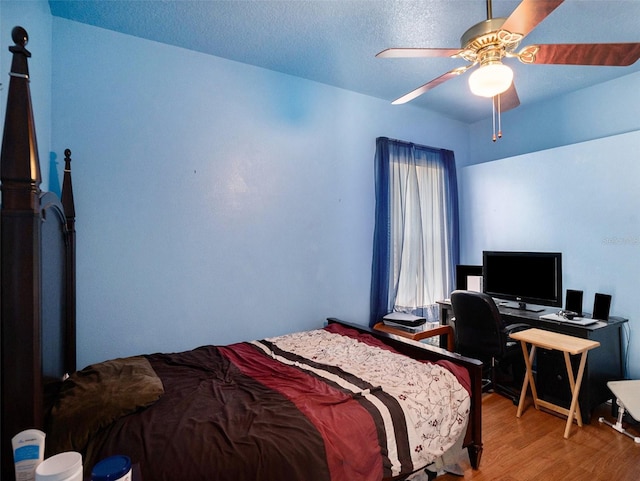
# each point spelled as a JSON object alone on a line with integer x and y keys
{"x": 113, "y": 468}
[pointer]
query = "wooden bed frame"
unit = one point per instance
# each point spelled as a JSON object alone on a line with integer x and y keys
{"x": 37, "y": 291}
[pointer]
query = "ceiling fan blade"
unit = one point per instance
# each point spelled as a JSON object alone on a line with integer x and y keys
{"x": 417, "y": 52}
{"x": 608, "y": 54}
{"x": 432, "y": 84}
{"x": 528, "y": 15}
{"x": 509, "y": 99}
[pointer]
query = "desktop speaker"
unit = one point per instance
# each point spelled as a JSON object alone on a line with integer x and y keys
{"x": 573, "y": 301}
{"x": 601, "y": 306}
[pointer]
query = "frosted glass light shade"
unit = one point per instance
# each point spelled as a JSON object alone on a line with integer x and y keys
{"x": 490, "y": 80}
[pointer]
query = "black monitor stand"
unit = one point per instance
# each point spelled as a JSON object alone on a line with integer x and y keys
{"x": 521, "y": 306}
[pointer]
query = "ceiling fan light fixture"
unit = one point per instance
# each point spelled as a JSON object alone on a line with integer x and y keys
{"x": 491, "y": 79}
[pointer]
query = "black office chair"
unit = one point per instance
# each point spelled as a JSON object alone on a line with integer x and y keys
{"x": 480, "y": 333}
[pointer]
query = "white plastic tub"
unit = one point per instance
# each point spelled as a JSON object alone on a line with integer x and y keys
{"x": 61, "y": 467}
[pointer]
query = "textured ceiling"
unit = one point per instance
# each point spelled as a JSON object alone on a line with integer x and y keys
{"x": 335, "y": 42}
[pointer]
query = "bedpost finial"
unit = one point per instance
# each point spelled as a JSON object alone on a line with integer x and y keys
{"x": 21, "y": 39}
{"x": 67, "y": 191}
{"x": 67, "y": 160}
{"x": 20, "y": 161}
{"x": 20, "y": 36}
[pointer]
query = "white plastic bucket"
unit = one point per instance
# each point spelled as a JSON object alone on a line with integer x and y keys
{"x": 61, "y": 467}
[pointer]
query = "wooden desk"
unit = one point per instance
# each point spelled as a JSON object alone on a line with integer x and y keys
{"x": 567, "y": 345}
{"x": 446, "y": 331}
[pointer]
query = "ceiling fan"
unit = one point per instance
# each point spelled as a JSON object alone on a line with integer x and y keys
{"x": 487, "y": 43}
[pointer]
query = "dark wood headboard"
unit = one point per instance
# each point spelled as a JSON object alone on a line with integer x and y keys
{"x": 37, "y": 267}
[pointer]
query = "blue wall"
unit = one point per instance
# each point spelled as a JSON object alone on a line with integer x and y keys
{"x": 216, "y": 201}
{"x": 581, "y": 200}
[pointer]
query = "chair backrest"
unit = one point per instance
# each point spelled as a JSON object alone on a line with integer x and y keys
{"x": 478, "y": 325}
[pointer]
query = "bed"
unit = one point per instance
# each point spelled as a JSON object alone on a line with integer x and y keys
{"x": 338, "y": 402}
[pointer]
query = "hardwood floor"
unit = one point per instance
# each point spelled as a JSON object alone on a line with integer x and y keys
{"x": 533, "y": 447}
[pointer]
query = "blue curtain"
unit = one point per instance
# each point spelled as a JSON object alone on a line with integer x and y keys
{"x": 416, "y": 238}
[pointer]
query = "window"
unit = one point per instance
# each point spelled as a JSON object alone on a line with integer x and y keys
{"x": 416, "y": 240}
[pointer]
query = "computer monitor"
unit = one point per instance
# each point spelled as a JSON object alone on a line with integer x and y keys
{"x": 523, "y": 277}
{"x": 469, "y": 277}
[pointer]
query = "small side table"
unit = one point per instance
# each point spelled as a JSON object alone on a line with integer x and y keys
{"x": 569, "y": 345}
{"x": 418, "y": 336}
{"x": 627, "y": 395}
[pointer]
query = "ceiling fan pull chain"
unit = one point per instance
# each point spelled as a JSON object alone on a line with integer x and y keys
{"x": 493, "y": 117}
{"x": 495, "y": 114}
{"x": 499, "y": 117}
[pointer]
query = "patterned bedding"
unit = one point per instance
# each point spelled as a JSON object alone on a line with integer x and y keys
{"x": 328, "y": 404}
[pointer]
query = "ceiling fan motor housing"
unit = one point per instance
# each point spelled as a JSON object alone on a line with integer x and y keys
{"x": 487, "y": 43}
{"x": 480, "y": 30}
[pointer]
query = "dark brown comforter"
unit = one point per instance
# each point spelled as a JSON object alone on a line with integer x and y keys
{"x": 258, "y": 412}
